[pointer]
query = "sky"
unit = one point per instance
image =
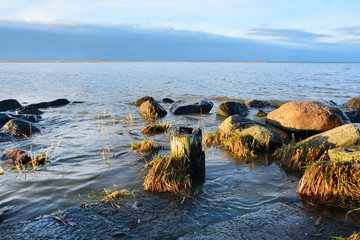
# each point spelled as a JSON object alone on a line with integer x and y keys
{"x": 186, "y": 30}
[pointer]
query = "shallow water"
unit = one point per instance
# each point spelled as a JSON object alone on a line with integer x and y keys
{"x": 77, "y": 134}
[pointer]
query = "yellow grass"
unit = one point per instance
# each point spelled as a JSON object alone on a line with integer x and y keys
{"x": 118, "y": 198}
{"x": 156, "y": 128}
{"x": 144, "y": 145}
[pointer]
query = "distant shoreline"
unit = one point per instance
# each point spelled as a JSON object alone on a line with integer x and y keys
{"x": 104, "y": 61}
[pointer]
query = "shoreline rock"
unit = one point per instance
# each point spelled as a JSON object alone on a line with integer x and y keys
{"x": 227, "y": 109}
{"x": 9, "y": 104}
{"x": 19, "y": 128}
{"x": 202, "y": 106}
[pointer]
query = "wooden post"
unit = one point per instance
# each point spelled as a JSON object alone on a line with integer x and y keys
{"x": 188, "y": 142}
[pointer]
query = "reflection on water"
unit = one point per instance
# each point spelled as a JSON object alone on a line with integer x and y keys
{"x": 77, "y": 134}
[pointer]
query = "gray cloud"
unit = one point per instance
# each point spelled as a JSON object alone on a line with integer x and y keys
{"x": 353, "y": 31}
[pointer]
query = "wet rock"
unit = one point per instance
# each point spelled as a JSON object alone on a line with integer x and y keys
{"x": 142, "y": 100}
{"x": 354, "y": 116}
{"x": 6, "y": 137}
{"x": 203, "y": 106}
{"x": 55, "y": 103}
{"x": 264, "y": 136}
{"x": 4, "y": 118}
{"x": 261, "y": 113}
{"x": 301, "y": 116}
{"x": 345, "y": 135}
{"x": 345, "y": 154}
{"x": 257, "y": 103}
{"x": 227, "y": 109}
{"x": 18, "y": 127}
{"x": 167, "y": 100}
{"x": 29, "y": 110}
{"x": 9, "y": 104}
{"x": 30, "y": 118}
{"x": 277, "y": 103}
{"x": 151, "y": 109}
{"x": 353, "y": 103}
{"x": 16, "y": 156}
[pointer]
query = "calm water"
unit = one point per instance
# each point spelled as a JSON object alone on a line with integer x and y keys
{"x": 77, "y": 134}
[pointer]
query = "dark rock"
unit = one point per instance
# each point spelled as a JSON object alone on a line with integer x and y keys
{"x": 4, "y": 118}
{"x": 16, "y": 156}
{"x": 6, "y": 137}
{"x": 167, "y": 100}
{"x": 40, "y": 105}
{"x": 152, "y": 109}
{"x": 257, "y": 103}
{"x": 261, "y": 113}
{"x": 30, "y": 118}
{"x": 28, "y": 110}
{"x": 227, "y": 109}
{"x": 142, "y": 100}
{"x": 55, "y": 103}
{"x": 19, "y": 127}
{"x": 9, "y": 104}
{"x": 203, "y": 106}
{"x": 353, "y": 103}
{"x": 302, "y": 116}
{"x": 354, "y": 116}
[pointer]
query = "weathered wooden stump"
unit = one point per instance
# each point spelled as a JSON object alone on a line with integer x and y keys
{"x": 188, "y": 142}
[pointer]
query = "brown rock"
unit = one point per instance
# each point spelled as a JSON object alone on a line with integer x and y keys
{"x": 152, "y": 109}
{"x": 300, "y": 116}
{"x": 142, "y": 100}
{"x": 227, "y": 109}
{"x": 353, "y": 103}
{"x": 16, "y": 156}
{"x": 257, "y": 103}
{"x": 261, "y": 113}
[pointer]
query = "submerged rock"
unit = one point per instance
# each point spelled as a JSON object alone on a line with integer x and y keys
{"x": 257, "y": 103}
{"x": 227, "y": 109}
{"x": 18, "y": 127}
{"x": 353, "y": 103}
{"x": 55, "y": 103}
{"x": 345, "y": 154}
{"x": 345, "y": 135}
{"x": 6, "y": 137}
{"x": 16, "y": 156}
{"x": 354, "y": 116}
{"x": 152, "y": 109}
{"x": 300, "y": 116}
{"x": 203, "y": 106}
{"x": 29, "y": 110}
{"x": 9, "y": 104}
{"x": 167, "y": 100}
{"x": 142, "y": 100}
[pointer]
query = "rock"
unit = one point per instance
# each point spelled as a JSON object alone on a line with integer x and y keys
{"x": 354, "y": 116}
{"x": 353, "y": 103}
{"x": 4, "y": 118}
{"x": 345, "y": 154}
{"x": 16, "y": 156}
{"x": 6, "y": 137}
{"x": 55, "y": 103}
{"x": 227, "y": 109}
{"x": 167, "y": 100}
{"x": 256, "y": 103}
{"x": 203, "y": 106}
{"x": 301, "y": 116}
{"x": 277, "y": 103}
{"x": 30, "y": 118}
{"x": 345, "y": 135}
{"x": 18, "y": 127}
{"x": 28, "y": 110}
{"x": 151, "y": 109}
{"x": 142, "y": 100}
{"x": 9, "y": 104}
{"x": 261, "y": 113}
{"x": 264, "y": 136}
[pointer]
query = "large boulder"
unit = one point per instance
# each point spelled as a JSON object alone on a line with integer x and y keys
{"x": 308, "y": 115}
{"x": 29, "y": 110}
{"x": 227, "y": 109}
{"x": 353, "y": 115}
{"x": 345, "y": 135}
{"x": 203, "y": 106}
{"x": 152, "y": 109}
{"x": 257, "y": 103}
{"x": 9, "y": 104}
{"x": 353, "y": 103}
{"x": 142, "y": 100}
{"x": 345, "y": 154}
{"x": 265, "y": 137}
{"x": 55, "y": 103}
{"x": 18, "y": 127}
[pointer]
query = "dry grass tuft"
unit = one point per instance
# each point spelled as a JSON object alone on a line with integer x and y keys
{"x": 168, "y": 174}
{"x": 241, "y": 146}
{"x": 118, "y": 198}
{"x": 144, "y": 145}
{"x": 355, "y": 236}
{"x": 156, "y": 128}
{"x": 297, "y": 156}
{"x": 332, "y": 183}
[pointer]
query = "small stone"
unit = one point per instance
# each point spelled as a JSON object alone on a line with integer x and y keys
{"x": 167, "y": 100}
{"x": 16, "y": 156}
{"x": 257, "y": 103}
{"x": 353, "y": 103}
{"x": 261, "y": 113}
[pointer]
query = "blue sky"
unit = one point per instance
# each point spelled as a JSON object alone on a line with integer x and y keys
{"x": 221, "y": 30}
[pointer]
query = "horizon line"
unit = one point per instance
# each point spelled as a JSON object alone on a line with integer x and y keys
{"x": 124, "y": 61}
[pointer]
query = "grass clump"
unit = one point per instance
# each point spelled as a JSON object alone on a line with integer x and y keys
{"x": 156, "y": 128}
{"x": 242, "y": 146}
{"x": 298, "y": 156}
{"x": 118, "y": 198}
{"x": 168, "y": 174}
{"x": 144, "y": 145}
{"x": 334, "y": 183}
